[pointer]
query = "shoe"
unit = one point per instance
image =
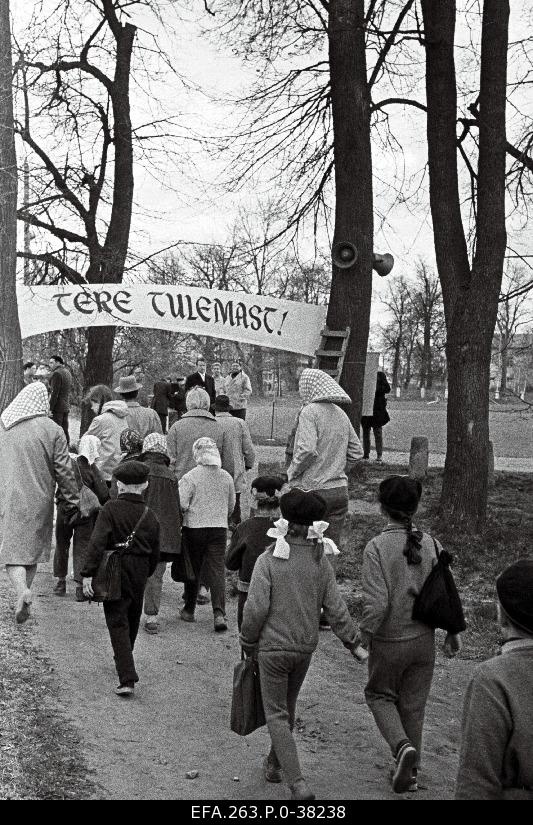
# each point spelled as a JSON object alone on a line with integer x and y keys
{"x": 300, "y": 791}
{"x": 80, "y": 596}
{"x": 402, "y": 777}
{"x": 60, "y": 588}
{"x": 379, "y": 460}
{"x": 22, "y": 612}
{"x": 220, "y": 623}
{"x": 323, "y": 623}
{"x": 203, "y": 596}
{"x": 186, "y": 616}
{"x": 152, "y": 627}
{"x": 125, "y": 690}
{"x": 272, "y": 772}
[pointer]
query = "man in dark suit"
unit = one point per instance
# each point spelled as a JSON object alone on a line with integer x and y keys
{"x": 60, "y": 386}
{"x": 161, "y": 400}
{"x": 201, "y": 379}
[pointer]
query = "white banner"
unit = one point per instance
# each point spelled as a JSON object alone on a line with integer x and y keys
{"x": 236, "y": 316}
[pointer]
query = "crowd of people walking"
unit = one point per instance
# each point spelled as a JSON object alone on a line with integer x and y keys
{"x": 150, "y": 498}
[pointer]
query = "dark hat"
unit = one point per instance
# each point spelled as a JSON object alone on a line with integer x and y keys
{"x": 300, "y": 507}
{"x": 267, "y": 485}
{"x": 222, "y": 403}
{"x": 515, "y": 592}
{"x": 400, "y": 493}
{"x": 131, "y": 472}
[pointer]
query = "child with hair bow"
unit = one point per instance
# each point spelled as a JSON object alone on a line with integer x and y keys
{"x": 291, "y": 582}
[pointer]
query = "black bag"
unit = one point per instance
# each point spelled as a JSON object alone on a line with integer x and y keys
{"x": 247, "y": 712}
{"x": 107, "y": 582}
{"x": 438, "y": 604}
{"x": 181, "y": 569}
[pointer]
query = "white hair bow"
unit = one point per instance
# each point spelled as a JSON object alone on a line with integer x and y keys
{"x": 316, "y": 531}
{"x": 278, "y": 532}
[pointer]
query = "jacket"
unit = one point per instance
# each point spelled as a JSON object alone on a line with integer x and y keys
{"x": 182, "y": 435}
{"x": 239, "y": 441}
{"x": 390, "y": 586}
{"x": 325, "y": 443}
{"x": 115, "y": 522}
{"x": 238, "y": 390}
{"x": 162, "y": 397}
{"x": 90, "y": 476}
{"x": 207, "y": 383}
{"x": 379, "y": 416}
{"x": 143, "y": 419}
{"x": 248, "y": 542}
{"x": 285, "y": 598}
{"x": 34, "y": 459}
{"x": 163, "y": 498}
{"x": 207, "y": 497}
{"x": 60, "y": 386}
{"x": 107, "y": 427}
{"x": 496, "y": 759}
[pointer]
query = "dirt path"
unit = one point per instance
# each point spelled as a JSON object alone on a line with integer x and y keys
{"x": 178, "y": 720}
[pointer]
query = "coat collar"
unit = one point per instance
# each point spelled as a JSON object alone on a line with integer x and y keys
{"x": 131, "y": 497}
{"x": 198, "y": 414}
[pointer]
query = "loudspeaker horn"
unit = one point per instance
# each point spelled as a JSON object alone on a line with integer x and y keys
{"x": 344, "y": 254}
{"x": 382, "y": 264}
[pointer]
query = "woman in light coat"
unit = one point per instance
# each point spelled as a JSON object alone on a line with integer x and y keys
{"x": 111, "y": 418}
{"x": 34, "y": 458}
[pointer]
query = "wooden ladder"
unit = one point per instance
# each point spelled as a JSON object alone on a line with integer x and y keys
{"x": 330, "y": 355}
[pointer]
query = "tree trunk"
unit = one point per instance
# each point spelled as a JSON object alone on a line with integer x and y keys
{"x": 98, "y": 365}
{"x": 396, "y": 363}
{"x": 470, "y": 296}
{"x": 504, "y": 364}
{"x": 10, "y": 340}
{"x": 351, "y": 289}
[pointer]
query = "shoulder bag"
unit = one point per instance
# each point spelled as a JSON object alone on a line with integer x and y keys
{"x": 89, "y": 504}
{"x": 106, "y": 583}
{"x": 438, "y": 604}
{"x": 247, "y": 713}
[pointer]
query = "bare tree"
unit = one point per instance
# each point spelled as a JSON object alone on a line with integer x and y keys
{"x": 513, "y": 313}
{"x": 10, "y": 339}
{"x": 426, "y": 302}
{"x": 470, "y": 291}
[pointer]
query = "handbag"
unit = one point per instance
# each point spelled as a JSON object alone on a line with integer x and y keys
{"x": 89, "y": 503}
{"x": 107, "y": 581}
{"x": 247, "y": 713}
{"x": 438, "y": 604}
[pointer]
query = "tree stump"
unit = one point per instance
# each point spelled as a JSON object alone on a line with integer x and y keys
{"x": 419, "y": 457}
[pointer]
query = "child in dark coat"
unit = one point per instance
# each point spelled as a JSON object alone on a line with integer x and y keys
{"x": 116, "y": 521}
{"x": 250, "y": 538}
{"x": 291, "y": 582}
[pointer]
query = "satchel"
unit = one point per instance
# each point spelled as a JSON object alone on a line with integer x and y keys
{"x": 438, "y": 604}
{"x": 247, "y": 713}
{"x": 89, "y": 503}
{"x": 107, "y": 582}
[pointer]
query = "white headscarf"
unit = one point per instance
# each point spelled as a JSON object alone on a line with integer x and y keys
{"x": 317, "y": 385}
{"x": 316, "y": 531}
{"x": 31, "y": 402}
{"x": 205, "y": 452}
{"x": 197, "y": 399}
{"x": 89, "y": 447}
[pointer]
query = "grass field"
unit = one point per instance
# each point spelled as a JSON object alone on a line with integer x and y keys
{"x": 510, "y": 430}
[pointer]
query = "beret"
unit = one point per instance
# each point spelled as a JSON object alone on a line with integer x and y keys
{"x": 515, "y": 593}
{"x": 301, "y": 507}
{"x": 401, "y": 493}
{"x": 131, "y": 472}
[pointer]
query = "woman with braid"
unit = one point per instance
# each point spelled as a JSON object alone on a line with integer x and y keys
{"x": 396, "y": 564}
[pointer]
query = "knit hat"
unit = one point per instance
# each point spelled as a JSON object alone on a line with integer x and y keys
{"x": 155, "y": 443}
{"x": 400, "y": 493}
{"x": 317, "y": 385}
{"x": 131, "y": 441}
{"x": 300, "y": 507}
{"x": 515, "y": 593}
{"x": 205, "y": 452}
{"x": 266, "y": 487}
{"x": 222, "y": 403}
{"x": 131, "y": 472}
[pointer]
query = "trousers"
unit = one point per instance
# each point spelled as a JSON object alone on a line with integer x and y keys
{"x": 378, "y": 438}
{"x": 61, "y": 418}
{"x": 399, "y": 681}
{"x": 64, "y": 534}
{"x": 282, "y": 675}
{"x": 336, "y": 499}
{"x": 153, "y": 590}
{"x": 207, "y": 550}
{"x": 124, "y": 615}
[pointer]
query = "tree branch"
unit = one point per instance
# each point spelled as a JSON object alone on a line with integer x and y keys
{"x": 62, "y": 234}
{"x": 64, "y": 269}
{"x": 389, "y": 43}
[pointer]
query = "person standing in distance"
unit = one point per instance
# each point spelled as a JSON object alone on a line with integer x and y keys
{"x": 29, "y": 372}
{"x": 238, "y": 389}
{"x": 202, "y": 380}
{"x": 60, "y": 386}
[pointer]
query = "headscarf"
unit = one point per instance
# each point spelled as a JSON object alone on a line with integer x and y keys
{"x": 317, "y": 385}
{"x": 31, "y": 402}
{"x": 315, "y": 532}
{"x": 205, "y": 452}
{"x": 155, "y": 443}
{"x": 131, "y": 442}
{"x": 89, "y": 447}
{"x": 197, "y": 399}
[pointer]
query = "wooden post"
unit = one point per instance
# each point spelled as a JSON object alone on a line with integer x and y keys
{"x": 419, "y": 457}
